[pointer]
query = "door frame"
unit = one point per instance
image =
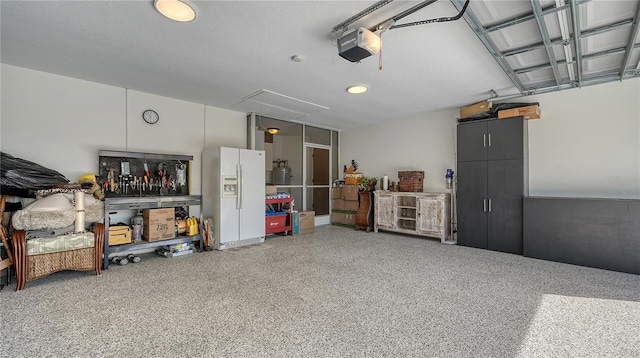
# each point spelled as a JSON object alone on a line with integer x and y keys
{"x": 319, "y": 219}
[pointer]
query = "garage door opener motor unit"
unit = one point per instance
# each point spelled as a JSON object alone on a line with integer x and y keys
{"x": 358, "y": 44}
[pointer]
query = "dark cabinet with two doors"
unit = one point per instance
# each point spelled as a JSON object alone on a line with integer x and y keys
{"x": 491, "y": 183}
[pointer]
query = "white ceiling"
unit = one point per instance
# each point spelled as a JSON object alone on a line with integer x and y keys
{"x": 239, "y": 50}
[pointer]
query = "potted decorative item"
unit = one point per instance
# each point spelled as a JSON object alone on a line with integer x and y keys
{"x": 367, "y": 184}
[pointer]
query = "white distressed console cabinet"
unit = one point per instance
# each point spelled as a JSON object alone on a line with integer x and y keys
{"x": 424, "y": 214}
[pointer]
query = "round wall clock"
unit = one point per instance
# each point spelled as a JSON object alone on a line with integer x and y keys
{"x": 150, "y": 116}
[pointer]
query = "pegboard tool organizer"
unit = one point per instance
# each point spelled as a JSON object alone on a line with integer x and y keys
{"x": 127, "y": 174}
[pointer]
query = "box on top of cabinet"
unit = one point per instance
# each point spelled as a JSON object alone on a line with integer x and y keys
{"x": 528, "y": 112}
{"x": 475, "y": 108}
{"x": 158, "y": 224}
{"x": 350, "y": 192}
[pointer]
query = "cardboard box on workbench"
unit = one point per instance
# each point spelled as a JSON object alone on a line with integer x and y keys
{"x": 158, "y": 224}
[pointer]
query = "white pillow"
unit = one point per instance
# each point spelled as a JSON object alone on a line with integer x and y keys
{"x": 54, "y": 202}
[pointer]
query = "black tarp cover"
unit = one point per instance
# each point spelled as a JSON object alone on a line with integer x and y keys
{"x": 19, "y": 177}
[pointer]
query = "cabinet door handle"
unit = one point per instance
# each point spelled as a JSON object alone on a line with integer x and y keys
{"x": 489, "y": 139}
{"x": 484, "y": 205}
{"x": 484, "y": 140}
{"x": 489, "y": 205}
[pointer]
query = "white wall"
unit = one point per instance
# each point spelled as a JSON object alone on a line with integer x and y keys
{"x": 422, "y": 142}
{"x": 225, "y": 128}
{"x": 62, "y": 123}
{"x": 179, "y": 130}
{"x": 587, "y": 144}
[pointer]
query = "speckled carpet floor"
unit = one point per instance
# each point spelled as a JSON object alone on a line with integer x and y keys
{"x": 335, "y": 293}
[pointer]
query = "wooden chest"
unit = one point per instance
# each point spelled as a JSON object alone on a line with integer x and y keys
{"x": 411, "y": 181}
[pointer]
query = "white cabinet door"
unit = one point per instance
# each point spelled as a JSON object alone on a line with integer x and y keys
{"x": 384, "y": 208}
{"x": 432, "y": 216}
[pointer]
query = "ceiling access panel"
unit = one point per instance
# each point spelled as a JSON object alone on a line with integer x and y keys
{"x": 277, "y": 105}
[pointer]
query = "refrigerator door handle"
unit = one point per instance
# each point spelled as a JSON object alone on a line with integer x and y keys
{"x": 238, "y": 191}
{"x": 240, "y": 186}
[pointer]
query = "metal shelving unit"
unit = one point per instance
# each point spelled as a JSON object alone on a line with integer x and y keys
{"x": 137, "y": 203}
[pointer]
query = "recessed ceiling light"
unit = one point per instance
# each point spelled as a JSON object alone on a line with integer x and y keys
{"x": 357, "y": 89}
{"x": 175, "y": 10}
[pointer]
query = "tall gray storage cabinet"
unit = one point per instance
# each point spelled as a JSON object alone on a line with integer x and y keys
{"x": 492, "y": 182}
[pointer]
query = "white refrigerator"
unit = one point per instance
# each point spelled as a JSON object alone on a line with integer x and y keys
{"x": 233, "y": 189}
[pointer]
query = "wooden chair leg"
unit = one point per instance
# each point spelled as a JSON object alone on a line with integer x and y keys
{"x": 4, "y": 234}
{"x": 20, "y": 257}
{"x": 98, "y": 231}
